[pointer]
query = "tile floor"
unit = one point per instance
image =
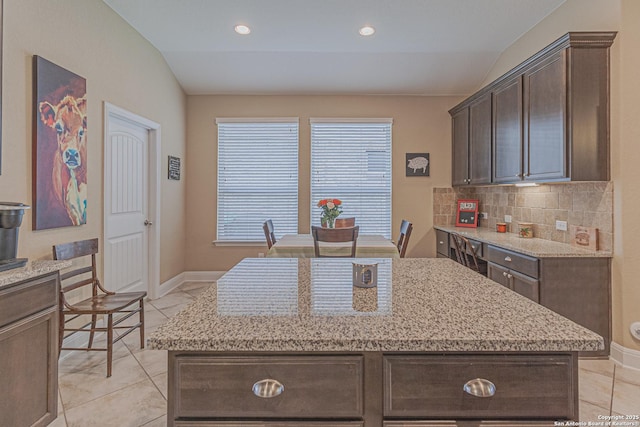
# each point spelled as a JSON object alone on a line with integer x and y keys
{"x": 138, "y": 386}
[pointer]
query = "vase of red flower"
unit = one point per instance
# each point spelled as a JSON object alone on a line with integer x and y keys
{"x": 330, "y": 211}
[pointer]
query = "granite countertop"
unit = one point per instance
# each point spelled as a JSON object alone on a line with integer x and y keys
{"x": 32, "y": 269}
{"x": 540, "y": 248}
{"x": 420, "y": 304}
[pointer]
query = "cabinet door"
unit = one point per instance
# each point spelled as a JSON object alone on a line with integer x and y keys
{"x": 480, "y": 141}
{"x": 507, "y": 132}
{"x": 29, "y": 370}
{"x": 525, "y": 285}
{"x": 460, "y": 148}
{"x": 498, "y": 274}
{"x": 545, "y": 92}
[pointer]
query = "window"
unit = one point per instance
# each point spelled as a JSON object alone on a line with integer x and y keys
{"x": 257, "y": 177}
{"x": 351, "y": 161}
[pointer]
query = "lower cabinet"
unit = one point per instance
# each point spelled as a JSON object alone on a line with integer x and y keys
{"x": 524, "y": 285}
{"x": 371, "y": 389}
{"x": 578, "y": 288}
{"x": 29, "y": 352}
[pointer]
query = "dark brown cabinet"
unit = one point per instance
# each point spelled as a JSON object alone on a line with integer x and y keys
{"x": 472, "y": 143}
{"x": 29, "y": 351}
{"x": 507, "y": 131}
{"x": 545, "y": 136}
{"x": 550, "y": 116}
{"x": 460, "y": 147}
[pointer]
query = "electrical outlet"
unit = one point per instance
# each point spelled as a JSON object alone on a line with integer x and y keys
{"x": 635, "y": 330}
{"x": 561, "y": 225}
{"x": 507, "y": 218}
{"x": 484, "y": 215}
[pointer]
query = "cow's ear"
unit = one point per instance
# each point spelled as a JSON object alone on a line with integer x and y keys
{"x": 82, "y": 104}
{"x": 47, "y": 114}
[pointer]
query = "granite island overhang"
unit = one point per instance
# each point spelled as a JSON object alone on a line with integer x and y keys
{"x": 405, "y": 351}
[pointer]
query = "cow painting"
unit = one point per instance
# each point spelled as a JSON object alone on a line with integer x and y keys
{"x": 61, "y": 147}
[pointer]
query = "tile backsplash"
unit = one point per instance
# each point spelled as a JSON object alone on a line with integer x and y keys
{"x": 588, "y": 204}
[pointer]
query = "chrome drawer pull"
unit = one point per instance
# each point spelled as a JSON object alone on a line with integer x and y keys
{"x": 507, "y": 258}
{"x": 441, "y": 242}
{"x": 268, "y": 388}
{"x": 480, "y": 387}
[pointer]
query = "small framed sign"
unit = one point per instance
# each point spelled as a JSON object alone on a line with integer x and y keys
{"x": 584, "y": 237}
{"x": 417, "y": 164}
{"x": 467, "y": 214}
{"x": 174, "y": 168}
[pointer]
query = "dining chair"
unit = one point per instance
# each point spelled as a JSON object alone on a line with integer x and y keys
{"x": 466, "y": 254}
{"x": 403, "y": 241}
{"x": 334, "y": 235}
{"x": 269, "y": 234}
{"x": 101, "y": 302}
{"x": 344, "y": 222}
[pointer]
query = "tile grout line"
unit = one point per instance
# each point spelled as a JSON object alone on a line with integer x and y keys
{"x": 613, "y": 386}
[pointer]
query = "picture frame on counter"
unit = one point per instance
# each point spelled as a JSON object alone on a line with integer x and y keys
{"x": 467, "y": 213}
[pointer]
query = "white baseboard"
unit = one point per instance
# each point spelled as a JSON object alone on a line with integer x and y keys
{"x": 624, "y": 356}
{"x": 187, "y": 276}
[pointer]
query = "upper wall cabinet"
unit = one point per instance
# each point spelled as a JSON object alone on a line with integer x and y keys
{"x": 471, "y": 142}
{"x": 549, "y": 116}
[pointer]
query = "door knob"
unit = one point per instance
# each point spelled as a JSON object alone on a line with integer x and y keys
{"x": 147, "y": 222}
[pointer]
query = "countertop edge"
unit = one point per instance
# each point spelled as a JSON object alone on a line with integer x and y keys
{"x": 32, "y": 269}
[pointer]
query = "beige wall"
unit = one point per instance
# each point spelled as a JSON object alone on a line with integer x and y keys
{"x": 622, "y": 16}
{"x": 89, "y": 39}
{"x": 421, "y": 124}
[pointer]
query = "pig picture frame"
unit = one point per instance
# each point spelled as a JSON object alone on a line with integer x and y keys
{"x": 417, "y": 164}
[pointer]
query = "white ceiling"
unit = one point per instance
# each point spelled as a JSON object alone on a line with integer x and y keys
{"x": 421, "y": 47}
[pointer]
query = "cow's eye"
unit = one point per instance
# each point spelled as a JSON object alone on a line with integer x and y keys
{"x": 59, "y": 127}
{"x": 81, "y": 132}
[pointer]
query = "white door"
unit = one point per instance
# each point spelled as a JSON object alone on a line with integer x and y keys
{"x": 126, "y": 241}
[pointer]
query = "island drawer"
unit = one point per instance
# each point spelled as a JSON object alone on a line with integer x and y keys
{"x": 29, "y": 297}
{"x": 513, "y": 260}
{"x": 240, "y": 386}
{"x": 526, "y": 386}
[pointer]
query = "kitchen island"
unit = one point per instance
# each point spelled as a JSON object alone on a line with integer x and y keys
{"x": 292, "y": 342}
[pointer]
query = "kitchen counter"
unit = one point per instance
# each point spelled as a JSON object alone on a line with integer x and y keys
{"x": 540, "y": 248}
{"x": 419, "y": 305}
{"x": 31, "y": 269}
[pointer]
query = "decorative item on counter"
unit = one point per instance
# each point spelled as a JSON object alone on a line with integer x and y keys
{"x": 10, "y": 221}
{"x": 501, "y": 227}
{"x": 467, "y": 214}
{"x": 525, "y": 229}
{"x": 365, "y": 275}
{"x": 331, "y": 208}
{"x": 584, "y": 237}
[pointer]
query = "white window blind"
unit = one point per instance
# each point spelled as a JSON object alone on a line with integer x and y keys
{"x": 257, "y": 177}
{"x": 351, "y": 161}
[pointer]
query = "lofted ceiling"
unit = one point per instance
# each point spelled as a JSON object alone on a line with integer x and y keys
{"x": 421, "y": 47}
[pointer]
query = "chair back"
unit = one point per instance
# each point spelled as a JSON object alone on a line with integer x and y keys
{"x": 334, "y": 235}
{"x": 465, "y": 254}
{"x": 344, "y": 222}
{"x": 269, "y": 234}
{"x": 403, "y": 241}
{"x": 82, "y": 276}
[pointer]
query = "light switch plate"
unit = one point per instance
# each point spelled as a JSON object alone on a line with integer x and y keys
{"x": 561, "y": 225}
{"x": 507, "y": 218}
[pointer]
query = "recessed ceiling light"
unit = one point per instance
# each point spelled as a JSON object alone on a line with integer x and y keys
{"x": 242, "y": 29}
{"x": 367, "y": 30}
